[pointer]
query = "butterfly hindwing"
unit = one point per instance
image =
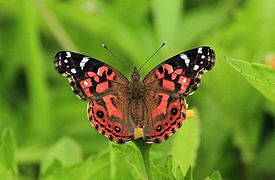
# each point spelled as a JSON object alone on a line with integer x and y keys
{"x": 167, "y": 85}
{"x": 104, "y": 89}
{"x": 109, "y": 116}
{"x": 167, "y": 115}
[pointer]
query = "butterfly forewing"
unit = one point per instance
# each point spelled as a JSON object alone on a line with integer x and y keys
{"x": 88, "y": 77}
{"x": 182, "y": 73}
{"x": 167, "y": 84}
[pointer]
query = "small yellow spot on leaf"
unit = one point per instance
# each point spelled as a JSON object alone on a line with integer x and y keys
{"x": 190, "y": 114}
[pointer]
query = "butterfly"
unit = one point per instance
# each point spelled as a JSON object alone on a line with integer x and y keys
{"x": 118, "y": 107}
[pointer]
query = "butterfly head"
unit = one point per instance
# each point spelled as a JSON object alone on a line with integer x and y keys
{"x": 135, "y": 75}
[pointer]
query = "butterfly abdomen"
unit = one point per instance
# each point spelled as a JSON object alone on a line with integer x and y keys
{"x": 137, "y": 113}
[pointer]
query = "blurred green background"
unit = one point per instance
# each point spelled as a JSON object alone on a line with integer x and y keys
{"x": 49, "y": 136}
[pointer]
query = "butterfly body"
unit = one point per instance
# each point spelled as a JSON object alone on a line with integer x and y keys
{"x": 118, "y": 107}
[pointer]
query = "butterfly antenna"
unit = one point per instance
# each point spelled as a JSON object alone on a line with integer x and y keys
{"x": 152, "y": 56}
{"x": 105, "y": 47}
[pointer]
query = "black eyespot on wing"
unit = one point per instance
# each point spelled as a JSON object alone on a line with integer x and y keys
{"x": 117, "y": 129}
{"x": 158, "y": 128}
{"x": 100, "y": 114}
{"x": 174, "y": 111}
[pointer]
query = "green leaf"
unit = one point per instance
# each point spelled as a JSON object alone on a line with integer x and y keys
{"x": 158, "y": 171}
{"x": 202, "y": 19}
{"x": 179, "y": 174}
{"x": 8, "y": 168}
{"x": 93, "y": 167}
{"x": 54, "y": 168}
{"x": 258, "y": 75}
{"x": 132, "y": 157}
{"x": 213, "y": 141}
{"x": 263, "y": 164}
{"x": 66, "y": 151}
{"x": 166, "y": 172}
{"x": 169, "y": 167}
{"x": 215, "y": 176}
{"x": 186, "y": 143}
{"x": 117, "y": 165}
{"x": 188, "y": 175}
{"x": 167, "y": 17}
{"x": 34, "y": 66}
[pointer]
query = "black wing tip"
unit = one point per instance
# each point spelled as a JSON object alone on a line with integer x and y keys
{"x": 212, "y": 59}
{"x": 206, "y": 49}
{"x": 57, "y": 62}
{"x": 211, "y": 56}
{"x": 62, "y": 55}
{"x": 58, "y": 58}
{"x": 212, "y": 53}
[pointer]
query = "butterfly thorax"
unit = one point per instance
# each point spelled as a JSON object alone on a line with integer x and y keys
{"x": 135, "y": 87}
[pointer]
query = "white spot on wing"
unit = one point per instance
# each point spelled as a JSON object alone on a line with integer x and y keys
{"x": 187, "y": 61}
{"x": 73, "y": 70}
{"x": 185, "y": 58}
{"x": 68, "y": 54}
{"x": 200, "y": 50}
{"x": 85, "y": 83}
{"x": 184, "y": 80}
{"x": 196, "y": 67}
{"x": 83, "y": 62}
{"x": 65, "y": 61}
{"x": 202, "y": 56}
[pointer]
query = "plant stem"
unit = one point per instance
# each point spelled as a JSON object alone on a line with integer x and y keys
{"x": 145, "y": 149}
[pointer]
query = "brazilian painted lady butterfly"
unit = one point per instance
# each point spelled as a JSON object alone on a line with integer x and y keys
{"x": 118, "y": 107}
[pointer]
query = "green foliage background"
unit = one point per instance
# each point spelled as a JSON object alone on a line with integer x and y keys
{"x": 49, "y": 136}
